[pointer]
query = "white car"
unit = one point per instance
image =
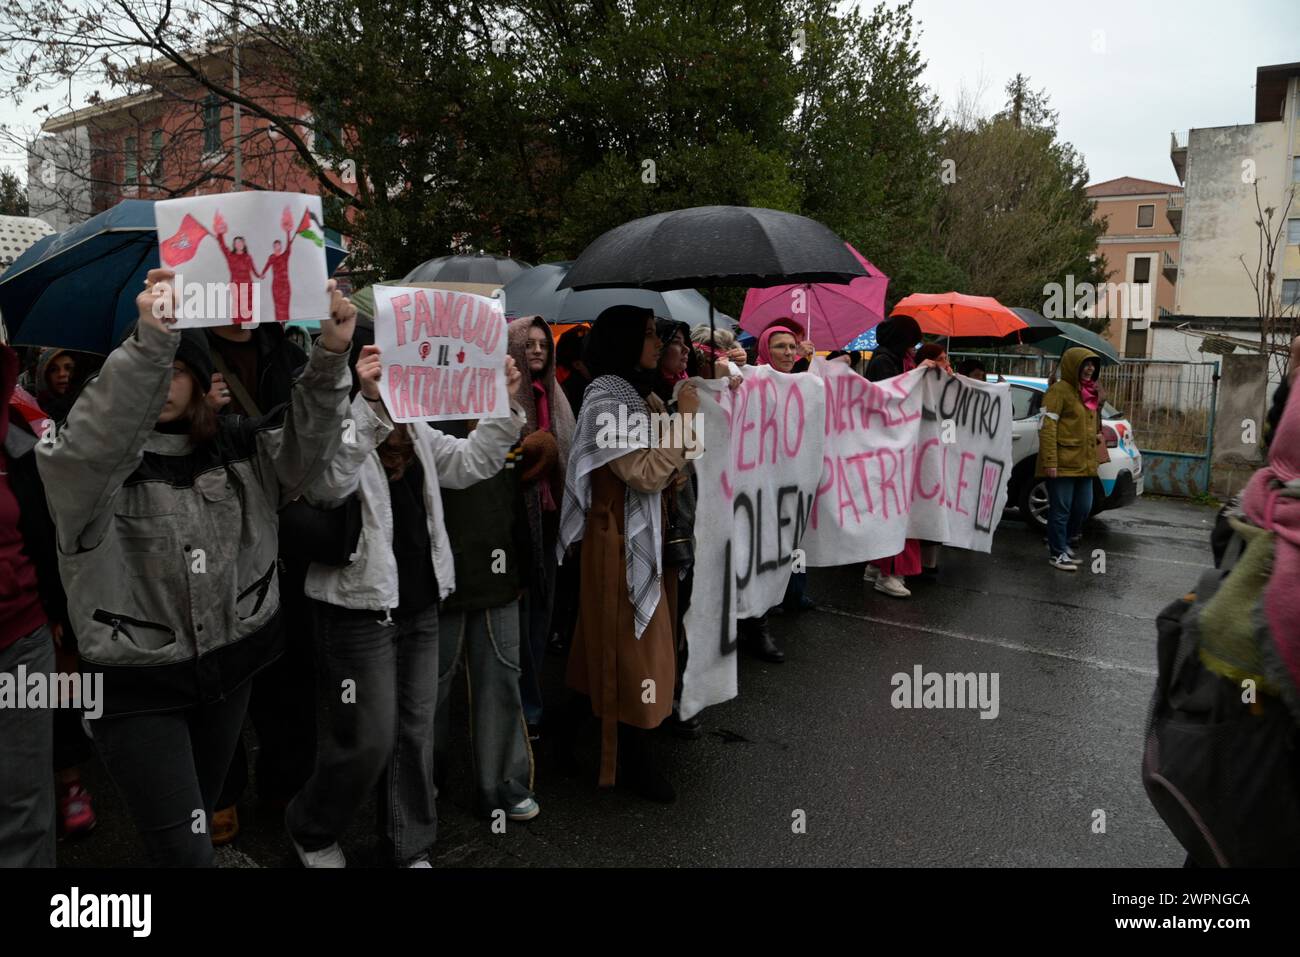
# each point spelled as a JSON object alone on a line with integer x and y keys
{"x": 1118, "y": 482}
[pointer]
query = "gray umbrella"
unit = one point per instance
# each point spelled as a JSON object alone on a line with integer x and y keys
{"x": 535, "y": 293}
{"x": 493, "y": 270}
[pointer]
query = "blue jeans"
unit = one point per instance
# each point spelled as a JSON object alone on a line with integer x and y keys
{"x": 26, "y": 762}
{"x": 487, "y": 640}
{"x": 1069, "y": 504}
{"x": 379, "y": 683}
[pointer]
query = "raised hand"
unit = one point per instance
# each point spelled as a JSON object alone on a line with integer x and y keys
{"x": 336, "y": 331}
{"x": 156, "y": 305}
{"x": 513, "y": 376}
{"x": 370, "y": 370}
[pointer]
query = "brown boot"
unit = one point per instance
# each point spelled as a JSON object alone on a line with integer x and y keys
{"x": 225, "y": 826}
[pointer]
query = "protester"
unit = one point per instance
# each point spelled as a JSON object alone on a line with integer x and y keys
{"x": 1069, "y": 438}
{"x": 568, "y": 359}
{"x": 478, "y": 626}
{"x": 54, "y": 382}
{"x": 32, "y": 611}
{"x": 851, "y": 359}
{"x": 154, "y": 497}
{"x": 547, "y": 436}
{"x": 780, "y": 347}
{"x": 255, "y": 371}
{"x": 973, "y": 369}
{"x": 381, "y": 731}
{"x": 712, "y": 345}
{"x": 936, "y": 353}
{"x": 613, "y": 503}
{"x": 895, "y": 354}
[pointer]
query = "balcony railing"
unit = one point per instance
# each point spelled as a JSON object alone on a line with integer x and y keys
{"x": 1178, "y": 140}
{"x": 1174, "y": 201}
{"x": 1178, "y": 153}
{"x": 1170, "y": 268}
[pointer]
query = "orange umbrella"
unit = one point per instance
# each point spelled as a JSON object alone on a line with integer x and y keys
{"x": 956, "y": 315}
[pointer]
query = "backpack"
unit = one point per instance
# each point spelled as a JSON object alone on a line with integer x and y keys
{"x": 1223, "y": 774}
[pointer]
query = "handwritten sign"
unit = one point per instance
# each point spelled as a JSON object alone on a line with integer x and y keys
{"x": 444, "y": 354}
{"x": 244, "y": 258}
{"x": 825, "y": 468}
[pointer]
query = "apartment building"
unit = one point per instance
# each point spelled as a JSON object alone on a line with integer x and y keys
{"x": 1140, "y": 247}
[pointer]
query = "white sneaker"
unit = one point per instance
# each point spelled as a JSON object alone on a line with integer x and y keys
{"x": 1063, "y": 562}
{"x": 331, "y": 856}
{"x": 525, "y": 810}
{"x": 892, "y": 585}
{"x": 422, "y": 862}
{"x": 871, "y": 573}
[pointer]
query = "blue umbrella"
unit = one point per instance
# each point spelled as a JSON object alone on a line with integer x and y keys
{"x": 865, "y": 342}
{"x": 76, "y": 289}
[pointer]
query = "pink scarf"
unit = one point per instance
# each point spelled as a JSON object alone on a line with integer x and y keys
{"x": 764, "y": 356}
{"x": 544, "y": 424}
{"x": 1088, "y": 392}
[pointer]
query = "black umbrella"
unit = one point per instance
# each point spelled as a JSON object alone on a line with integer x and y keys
{"x": 490, "y": 270}
{"x": 714, "y": 246}
{"x": 535, "y": 293}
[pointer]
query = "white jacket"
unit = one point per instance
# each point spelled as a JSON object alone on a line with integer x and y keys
{"x": 370, "y": 581}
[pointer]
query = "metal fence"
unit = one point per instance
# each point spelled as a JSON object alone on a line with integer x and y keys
{"x": 1169, "y": 404}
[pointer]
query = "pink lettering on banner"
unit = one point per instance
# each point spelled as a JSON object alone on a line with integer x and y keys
{"x": 961, "y": 482}
{"x": 401, "y": 316}
{"x": 766, "y": 418}
{"x": 859, "y": 461}
{"x": 793, "y": 398}
{"x": 441, "y": 314}
{"x": 823, "y": 486}
{"x": 919, "y": 466}
{"x": 423, "y": 327}
{"x": 988, "y": 492}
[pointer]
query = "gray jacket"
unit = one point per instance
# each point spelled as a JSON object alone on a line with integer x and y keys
{"x": 370, "y": 581}
{"x": 168, "y": 550}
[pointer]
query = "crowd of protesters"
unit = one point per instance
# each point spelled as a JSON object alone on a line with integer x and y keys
{"x": 227, "y": 527}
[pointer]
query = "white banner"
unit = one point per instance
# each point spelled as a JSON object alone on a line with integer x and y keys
{"x": 444, "y": 354}
{"x": 826, "y": 468}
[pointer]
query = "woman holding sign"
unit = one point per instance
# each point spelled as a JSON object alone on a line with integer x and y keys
{"x": 166, "y": 516}
{"x": 377, "y": 623}
{"x": 622, "y": 656}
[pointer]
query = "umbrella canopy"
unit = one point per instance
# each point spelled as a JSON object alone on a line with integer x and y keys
{"x": 482, "y": 270}
{"x": 18, "y": 234}
{"x": 76, "y": 289}
{"x": 865, "y": 342}
{"x": 1071, "y": 335}
{"x": 537, "y": 293}
{"x": 1037, "y": 328}
{"x": 833, "y": 313}
{"x": 959, "y": 316}
{"x": 708, "y": 246}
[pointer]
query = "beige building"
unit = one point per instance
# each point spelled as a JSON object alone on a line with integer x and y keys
{"x": 1219, "y": 168}
{"x": 1141, "y": 249}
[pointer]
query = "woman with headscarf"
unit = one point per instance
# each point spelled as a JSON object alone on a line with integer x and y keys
{"x": 895, "y": 354}
{"x": 613, "y": 503}
{"x": 782, "y": 346}
{"x": 546, "y": 440}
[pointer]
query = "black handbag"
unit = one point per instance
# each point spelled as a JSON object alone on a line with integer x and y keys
{"x": 325, "y": 535}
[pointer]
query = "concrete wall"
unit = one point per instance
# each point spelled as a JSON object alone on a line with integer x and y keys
{"x": 1239, "y": 422}
{"x": 58, "y": 171}
{"x": 1219, "y": 217}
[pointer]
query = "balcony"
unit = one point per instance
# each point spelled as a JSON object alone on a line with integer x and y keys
{"x": 1174, "y": 211}
{"x": 1170, "y": 268}
{"x": 1178, "y": 153}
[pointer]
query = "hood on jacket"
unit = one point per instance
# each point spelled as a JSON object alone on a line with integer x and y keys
{"x": 898, "y": 334}
{"x": 43, "y": 366}
{"x": 764, "y": 357}
{"x": 517, "y": 346}
{"x": 1071, "y": 360}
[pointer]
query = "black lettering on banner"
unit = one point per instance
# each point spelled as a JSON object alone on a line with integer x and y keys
{"x": 728, "y": 646}
{"x": 782, "y": 556}
{"x": 963, "y": 404}
{"x": 742, "y": 501}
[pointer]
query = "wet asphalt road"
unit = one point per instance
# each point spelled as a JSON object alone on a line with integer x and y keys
{"x": 878, "y": 786}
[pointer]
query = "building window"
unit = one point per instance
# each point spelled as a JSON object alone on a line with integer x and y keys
{"x": 1135, "y": 344}
{"x": 1290, "y": 292}
{"x": 155, "y": 163}
{"x": 132, "y": 166}
{"x": 1142, "y": 269}
{"x": 1295, "y": 169}
{"x": 1146, "y": 216}
{"x": 211, "y": 124}
{"x": 1293, "y": 232}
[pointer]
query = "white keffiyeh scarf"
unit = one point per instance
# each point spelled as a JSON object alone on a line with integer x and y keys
{"x": 601, "y": 405}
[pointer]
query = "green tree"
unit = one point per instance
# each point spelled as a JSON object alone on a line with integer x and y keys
{"x": 1017, "y": 217}
{"x": 13, "y": 194}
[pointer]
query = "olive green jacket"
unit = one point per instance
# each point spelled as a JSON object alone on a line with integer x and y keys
{"x": 1067, "y": 431}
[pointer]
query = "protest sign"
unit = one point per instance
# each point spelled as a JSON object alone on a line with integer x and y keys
{"x": 826, "y": 468}
{"x": 444, "y": 354}
{"x": 242, "y": 258}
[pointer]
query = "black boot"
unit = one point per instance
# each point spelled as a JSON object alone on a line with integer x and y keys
{"x": 756, "y": 639}
{"x": 636, "y": 766}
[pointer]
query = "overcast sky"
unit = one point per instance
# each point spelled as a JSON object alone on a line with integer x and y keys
{"x": 1165, "y": 66}
{"x": 1162, "y": 66}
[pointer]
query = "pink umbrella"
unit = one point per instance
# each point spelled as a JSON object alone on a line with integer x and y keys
{"x": 833, "y": 313}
